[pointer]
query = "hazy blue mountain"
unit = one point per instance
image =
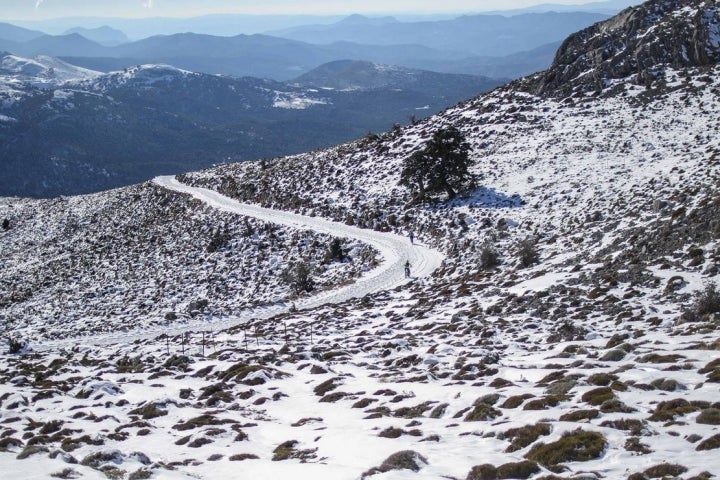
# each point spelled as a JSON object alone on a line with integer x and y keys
{"x": 609, "y": 7}
{"x": 483, "y": 35}
{"x": 283, "y": 58}
{"x": 223, "y": 25}
{"x": 512, "y": 66}
{"x": 360, "y": 75}
{"x": 61, "y": 45}
{"x": 104, "y": 35}
{"x": 18, "y": 34}
{"x": 242, "y": 55}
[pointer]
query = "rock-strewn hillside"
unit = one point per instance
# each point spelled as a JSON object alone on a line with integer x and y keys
{"x": 572, "y": 332}
{"x": 142, "y": 256}
{"x": 634, "y": 44}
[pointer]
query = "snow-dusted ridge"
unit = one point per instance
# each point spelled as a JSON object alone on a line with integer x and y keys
{"x": 394, "y": 249}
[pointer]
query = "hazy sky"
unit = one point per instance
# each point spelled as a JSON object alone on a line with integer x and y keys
{"x": 42, "y": 9}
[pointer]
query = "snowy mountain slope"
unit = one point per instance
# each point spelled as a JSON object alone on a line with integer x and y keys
{"x": 21, "y": 77}
{"x": 598, "y": 359}
{"x": 42, "y": 71}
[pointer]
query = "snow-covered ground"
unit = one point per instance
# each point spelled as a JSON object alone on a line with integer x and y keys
{"x": 596, "y": 359}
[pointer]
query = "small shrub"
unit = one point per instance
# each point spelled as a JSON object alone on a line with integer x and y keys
{"x": 708, "y": 300}
{"x": 287, "y": 450}
{"x": 149, "y": 411}
{"x": 516, "y": 401}
{"x": 527, "y": 251}
{"x": 326, "y": 386}
{"x": 598, "y": 396}
{"x": 31, "y": 450}
{"x": 482, "y": 472}
{"x": 391, "y": 432}
{"x": 667, "y": 411}
{"x": 489, "y": 257}
{"x": 141, "y": 474}
{"x": 524, "y": 436}
{"x": 634, "y": 426}
{"x": 200, "y": 421}
{"x": 243, "y": 456}
{"x": 711, "y": 443}
{"x": 579, "y": 415}
{"x": 199, "y": 442}
{"x": 664, "y": 470}
{"x": 333, "y": 397}
{"x": 709, "y": 416}
{"x": 614, "y": 355}
{"x": 218, "y": 241}
{"x": 633, "y": 444}
{"x": 481, "y": 412}
{"x": 517, "y": 470}
{"x": 576, "y": 446}
{"x": 66, "y": 473}
{"x": 335, "y": 251}
{"x": 298, "y": 277}
{"x": 601, "y": 379}
{"x": 15, "y": 345}
{"x": 403, "y": 460}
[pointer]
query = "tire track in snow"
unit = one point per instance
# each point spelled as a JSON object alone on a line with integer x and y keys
{"x": 394, "y": 250}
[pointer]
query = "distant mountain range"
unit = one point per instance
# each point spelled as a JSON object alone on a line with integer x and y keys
{"x": 481, "y": 35}
{"x": 103, "y": 35}
{"x": 261, "y": 55}
{"x": 68, "y": 130}
{"x": 489, "y": 45}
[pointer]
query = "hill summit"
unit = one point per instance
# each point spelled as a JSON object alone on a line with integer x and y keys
{"x": 635, "y": 43}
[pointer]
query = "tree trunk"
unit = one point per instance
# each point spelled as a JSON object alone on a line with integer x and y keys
{"x": 421, "y": 188}
{"x": 451, "y": 193}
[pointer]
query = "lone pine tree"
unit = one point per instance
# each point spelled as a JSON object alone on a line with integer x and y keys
{"x": 441, "y": 166}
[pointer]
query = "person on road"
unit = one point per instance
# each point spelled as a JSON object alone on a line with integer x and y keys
{"x": 411, "y": 235}
{"x": 407, "y": 269}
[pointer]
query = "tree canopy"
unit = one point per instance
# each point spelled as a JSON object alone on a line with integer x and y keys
{"x": 441, "y": 166}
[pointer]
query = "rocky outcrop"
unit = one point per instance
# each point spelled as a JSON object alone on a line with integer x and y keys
{"x": 637, "y": 42}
